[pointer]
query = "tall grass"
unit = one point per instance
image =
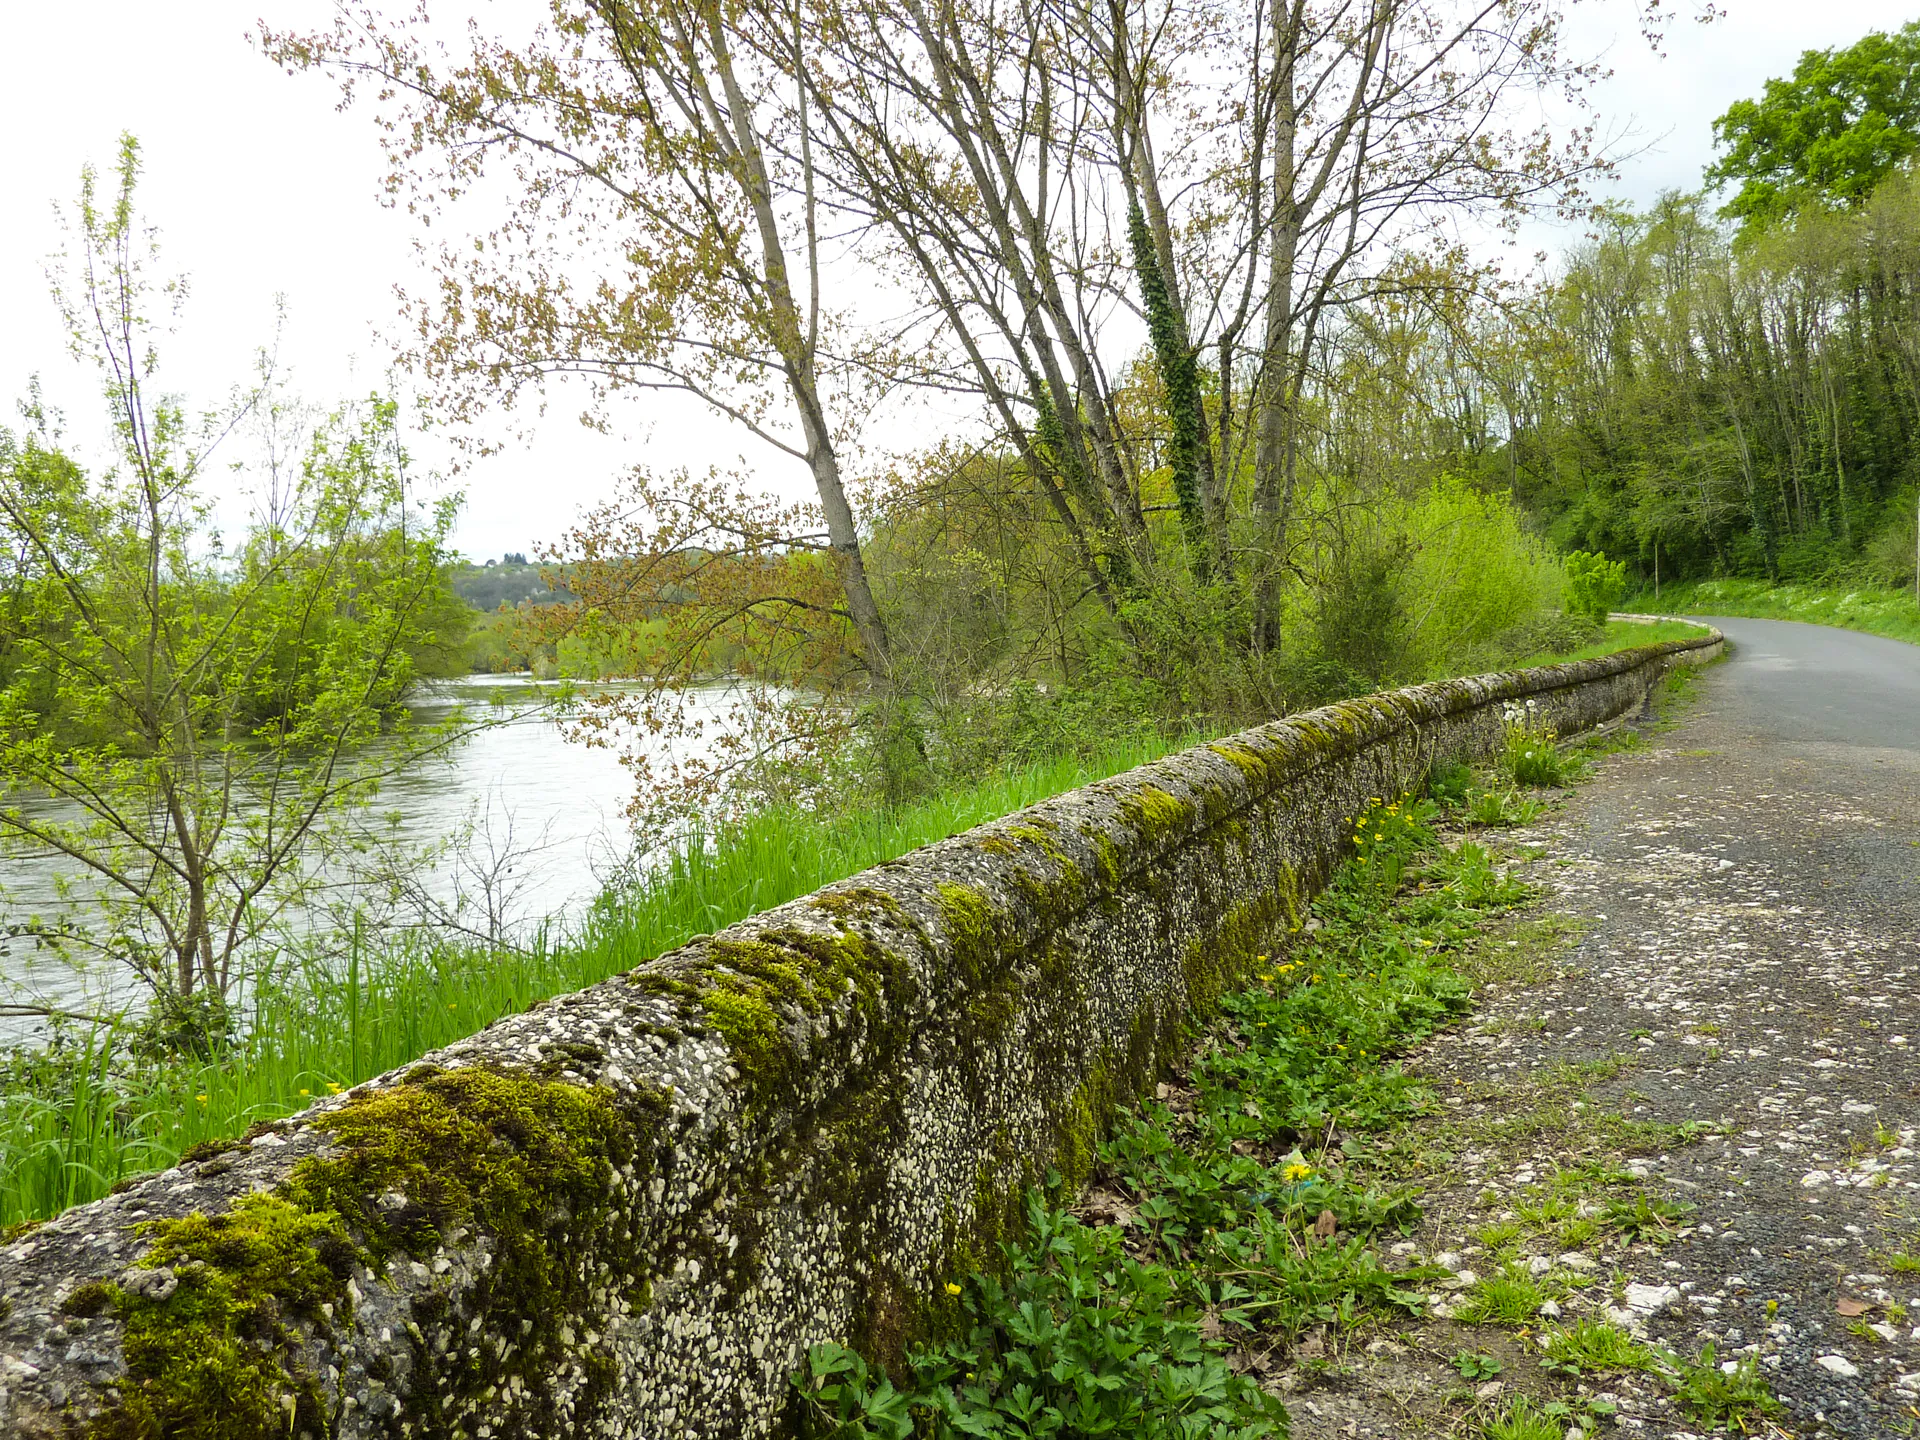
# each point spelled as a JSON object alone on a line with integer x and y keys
{"x": 1620, "y": 635}
{"x": 76, "y": 1122}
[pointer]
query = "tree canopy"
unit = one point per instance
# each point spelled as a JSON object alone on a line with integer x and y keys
{"x": 1832, "y": 131}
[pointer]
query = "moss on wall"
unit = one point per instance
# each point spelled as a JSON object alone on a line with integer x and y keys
{"x": 797, "y": 1130}
{"x": 214, "y": 1344}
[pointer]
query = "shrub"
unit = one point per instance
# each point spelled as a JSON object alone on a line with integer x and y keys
{"x": 1594, "y": 584}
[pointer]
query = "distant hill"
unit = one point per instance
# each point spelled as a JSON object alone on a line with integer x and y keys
{"x": 510, "y": 581}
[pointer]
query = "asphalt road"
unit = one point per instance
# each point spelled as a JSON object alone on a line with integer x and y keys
{"x": 1800, "y": 684}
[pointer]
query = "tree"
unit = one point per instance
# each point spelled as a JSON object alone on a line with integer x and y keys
{"x": 181, "y": 721}
{"x": 656, "y": 145}
{"x": 1830, "y": 133}
{"x": 1235, "y": 180}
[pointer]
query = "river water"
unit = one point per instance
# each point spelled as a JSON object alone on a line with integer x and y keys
{"x": 543, "y": 816}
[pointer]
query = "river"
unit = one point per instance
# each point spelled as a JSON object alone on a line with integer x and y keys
{"x": 553, "y": 810}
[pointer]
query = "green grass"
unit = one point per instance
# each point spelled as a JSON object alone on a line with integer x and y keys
{"x": 78, "y": 1120}
{"x": 1892, "y": 613}
{"x": 1620, "y": 635}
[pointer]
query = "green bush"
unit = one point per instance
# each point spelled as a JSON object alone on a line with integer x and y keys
{"x": 1594, "y": 584}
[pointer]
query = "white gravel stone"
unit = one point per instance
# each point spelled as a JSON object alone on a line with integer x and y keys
{"x": 1838, "y": 1365}
{"x": 1651, "y": 1299}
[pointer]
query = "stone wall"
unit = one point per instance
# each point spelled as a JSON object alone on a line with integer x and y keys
{"x": 630, "y": 1210}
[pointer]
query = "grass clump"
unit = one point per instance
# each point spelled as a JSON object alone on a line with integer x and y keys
{"x": 1594, "y": 1347}
{"x": 1509, "y": 1296}
{"x": 1247, "y": 1218}
{"x": 1736, "y": 1400}
{"x": 1532, "y": 756}
{"x": 1524, "y": 1420}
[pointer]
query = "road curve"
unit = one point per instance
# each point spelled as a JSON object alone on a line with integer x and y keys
{"x": 1801, "y": 684}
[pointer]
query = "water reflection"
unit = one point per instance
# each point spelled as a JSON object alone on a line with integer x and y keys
{"x": 547, "y": 821}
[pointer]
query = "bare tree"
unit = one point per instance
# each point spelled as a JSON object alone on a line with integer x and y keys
{"x": 650, "y": 233}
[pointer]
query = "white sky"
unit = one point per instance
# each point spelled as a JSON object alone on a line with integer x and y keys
{"x": 260, "y": 188}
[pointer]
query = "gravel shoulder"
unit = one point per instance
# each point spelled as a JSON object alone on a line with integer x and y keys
{"x": 1688, "y": 1101}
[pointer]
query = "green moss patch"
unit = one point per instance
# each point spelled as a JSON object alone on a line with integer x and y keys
{"x": 750, "y": 991}
{"x": 214, "y": 1353}
{"x": 1156, "y": 814}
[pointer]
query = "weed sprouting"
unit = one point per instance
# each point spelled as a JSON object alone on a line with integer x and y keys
{"x": 1645, "y": 1217}
{"x": 1532, "y": 756}
{"x": 1492, "y": 809}
{"x": 1734, "y": 1399}
{"x": 1523, "y": 1420}
{"x": 1594, "y": 1347}
{"x": 1509, "y": 1296}
{"x": 1476, "y": 1365}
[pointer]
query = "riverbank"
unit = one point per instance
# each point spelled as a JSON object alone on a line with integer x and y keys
{"x": 1892, "y": 613}
{"x": 82, "y": 1116}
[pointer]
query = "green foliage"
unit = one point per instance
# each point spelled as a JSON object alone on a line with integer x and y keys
{"x": 1737, "y": 1401}
{"x": 1476, "y": 1366}
{"x": 1532, "y": 754}
{"x": 1448, "y": 781}
{"x": 1422, "y": 585}
{"x": 1594, "y": 584}
{"x": 1179, "y": 370}
{"x": 1079, "y": 1339}
{"x": 1509, "y": 1296}
{"x": 1528, "y": 1419}
{"x": 1829, "y": 134}
{"x": 1494, "y": 809}
{"x": 1645, "y": 1217}
{"x": 201, "y": 715}
{"x": 1593, "y": 1347}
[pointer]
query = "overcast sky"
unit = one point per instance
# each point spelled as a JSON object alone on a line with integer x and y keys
{"x": 261, "y": 188}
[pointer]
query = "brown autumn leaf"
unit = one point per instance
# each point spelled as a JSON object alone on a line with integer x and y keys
{"x": 1851, "y": 1307}
{"x": 1326, "y": 1225}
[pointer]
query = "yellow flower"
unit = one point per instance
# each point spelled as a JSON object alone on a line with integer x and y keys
{"x": 952, "y": 1289}
{"x": 201, "y": 1098}
{"x": 1296, "y": 1172}
{"x": 332, "y": 1089}
{"x": 306, "y": 1092}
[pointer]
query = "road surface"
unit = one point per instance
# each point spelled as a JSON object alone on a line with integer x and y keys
{"x": 1737, "y": 906}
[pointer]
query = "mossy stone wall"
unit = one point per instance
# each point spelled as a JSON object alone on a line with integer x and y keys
{"x": 629, "y": 1211}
